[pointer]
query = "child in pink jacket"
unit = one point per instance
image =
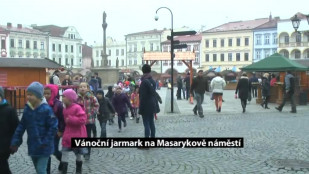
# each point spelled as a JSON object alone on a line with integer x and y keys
{"x": 75, "y": 119}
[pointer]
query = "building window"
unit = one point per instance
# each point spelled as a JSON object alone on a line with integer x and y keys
{"x": 109, "y": 62}
{"x": 246, "y": 56}
{"x": 298, "y": 38}
{"x": 258, "y": 40}
{"x": 72, "y": 49}
{"x": 66, "y": 48}
{"x": 35, "y": 45}
{"x": 214, "y": 43}
{"x": 237, "y": 56}
{"x": 66, "y": 61}
{"x": 238, "y": 41}
{"x": 222, "y": 42}
{"x": 12, "y": 43}
{"x": 230, "y": 42}
{"x": 122, "y": 62}
{"x": 189, "y": 48}
{"x": 54, "y": 47}
{"x": 151, "y": 46}
{"x": 59, "y": 60}
{"x": 54, "y": 59}
{"x": 207, "y": 58}
{"x": 286, "y": 54}
{"x": 266, "y": 42}
{"x": 97, "y": 63}
{"x": 80, "y": 49}
{"x": 230, "y": 57}
{"x": 109, "y": 52}
{"x": 122, "y": 52}
{"x": 72, "y": 62}
{"x": 286, "y": 39}
{"x": 222, "y": 57}
{"x": 197, "y": 57}
{"x": 258, "y": 54}
{"x": 207, "y": 43}
{"x": 135, "y": 47}
{"x": 135, "y": 61}
{"x": 246, "y": 41}
{"x": 59, "y": 47}
{"x": 267, "y": 53}
{"x": 130, "y": 62}
{"x": 20, "y": 44}
{"x": 27, "y": 44}
{"x": 297, "y": 54}
{"x": 196, "y": 48}
{"x": 97, "y": 53}
{"x": 275, "y": 38}
{"x": 274, "y": 50}
{"x": 117, "y": 52}
{"x": 42, "y": 46}
{"x": 214, "y": 57}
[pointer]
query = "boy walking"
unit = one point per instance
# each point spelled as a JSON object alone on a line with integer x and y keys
{"x": 41, "y": 125}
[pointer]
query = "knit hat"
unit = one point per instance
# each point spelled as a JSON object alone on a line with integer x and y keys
{"x": 37, "y": 89}
{"x": 1, "y": 92}
{"x": 100, "y": 91}
{"x": 70, "y": 94}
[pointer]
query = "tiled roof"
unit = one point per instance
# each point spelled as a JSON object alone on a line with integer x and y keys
{"x": 155, "y": 31}
{"x": 54, "y": 30}
{"x": 239, "y": 25}
{"x": 28, "y": 63}
{"x": 189, "y": 38}
{"x": 23, "y": 29}
{"x": 270, "y": 24}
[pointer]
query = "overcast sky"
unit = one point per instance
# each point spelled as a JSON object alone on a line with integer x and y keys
{"x": 129, "y": 16}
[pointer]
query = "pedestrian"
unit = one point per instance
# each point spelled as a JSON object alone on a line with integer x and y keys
{"x": 8, "y": 123}
{"x": 135, "y": 103}
{"x": 198, "y": 88}
{"x": 93, "y": 85}
{"x": 254, "y": 79}
{"x": 148, "y": 102}
{"x": 179, "y": 87}
{"x": 67, "y": 81}
{"x": 110, "y": 94}
{"x": 273, "y": 80}
{"x": 217, "y": 85}
{"x": 54, "y": 79}
{"x": 91, "y": 107}
{"x": 106, "y": 110}
{"x": 50, "y": 94}
{"x": 41, "y": 125}
{"x": 75, "y": 120}
{"x": 187, "y": 82}
{"x": 243, "y": 88}
{"x": 265, "y": 91}
{"x": 96, "y": 76}
{"x": 121, "y": 102}
{"x": 183, "y": 88}
{"x": 289, "y": 82}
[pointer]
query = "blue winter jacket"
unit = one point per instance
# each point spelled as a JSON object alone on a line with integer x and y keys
{"x": 41, "y": 125}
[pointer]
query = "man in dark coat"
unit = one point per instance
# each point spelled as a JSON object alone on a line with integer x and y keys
{"x": 96, "y": 76}
{"x": 8, "y": 124}
{"x": 254, "y": 79}
{"x": 198, "y": 88}
{"x": 289, "y": 84}
{"x": 265, "y": 90}
{"x": 179, "y": 87}
{"x": 148, "y": 102}
{"x": 187, "y": 81}
{"x": 243, "y": 88}
{"x": 94, "y": 85}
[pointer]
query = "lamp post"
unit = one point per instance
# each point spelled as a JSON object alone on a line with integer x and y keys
{"x": 296, "y": 21}
{"x": 172, "y": 56}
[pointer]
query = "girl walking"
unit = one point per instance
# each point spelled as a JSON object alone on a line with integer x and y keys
{"x": 135, "y": 103}
{"x": 120, "y": 103}
{"x": 91, "y": 107}
{"x": 243, "y": 88}
{"x": 217, "y": 85}
{"x": 75, "y": 120}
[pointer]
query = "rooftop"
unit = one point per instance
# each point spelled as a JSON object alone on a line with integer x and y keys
{"x": 28, "y": 63}
{"x": 188, "y": 38}
{"x": 20, "y": 28}
{"x": 54, "y": 30}
{"x": 238, "y": 25}
{"x": 155, "y": 31}
{"x": 270, "y": 24}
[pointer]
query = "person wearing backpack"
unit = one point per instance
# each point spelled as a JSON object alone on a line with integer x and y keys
{"x": 54, "y": 79}
{"x": 148, "y": 102}
{"x": 289, "y": 82}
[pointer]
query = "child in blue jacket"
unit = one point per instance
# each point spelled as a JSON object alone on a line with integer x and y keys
{"x": 41, "y": 125}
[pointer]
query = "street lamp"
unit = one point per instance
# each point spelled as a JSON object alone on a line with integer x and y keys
{"x": 172, "y": 56}
{"x": 295, "y": 22}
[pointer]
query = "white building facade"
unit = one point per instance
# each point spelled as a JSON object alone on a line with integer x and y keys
{"x": 294, "y": 45}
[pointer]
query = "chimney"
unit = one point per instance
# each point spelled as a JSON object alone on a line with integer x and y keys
{"x": 9, "y": 25}
{"x": 19, "y": 26}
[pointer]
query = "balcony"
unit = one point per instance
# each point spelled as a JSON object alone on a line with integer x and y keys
{"x": 294, "y": 44}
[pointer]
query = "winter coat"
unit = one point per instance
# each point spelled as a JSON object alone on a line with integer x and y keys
{"x": 75, "y": 124}
{"x": 105, "y": 110}
{"x": 148, "y": 104}
{"x": 66, "y": 82}
{"x": 265, "y": 87}
{"x": 41, "y": 125}
{"x": 91, "y": 106}
{"x": 199, "y": 85}
{"x": 135, "y": 100}
{"x": 289, "y": 83}
{"x": 56, "y": 105}
{"x": 8, "y": 123}
{"x": 217, "y": 85}
{"x": 110, "y": 93}
{"x": 243, "y": 88}
{"x": 179, "y": 82}
{"x": 120, "y": 103}
{"x": 94, "y": 84}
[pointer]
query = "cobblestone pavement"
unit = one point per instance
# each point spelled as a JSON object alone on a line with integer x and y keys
{"x": 273, "y": 143}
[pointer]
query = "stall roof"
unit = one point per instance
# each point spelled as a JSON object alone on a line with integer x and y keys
{"x": 28, "y": 63}
{"x": 275, "y": 62}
